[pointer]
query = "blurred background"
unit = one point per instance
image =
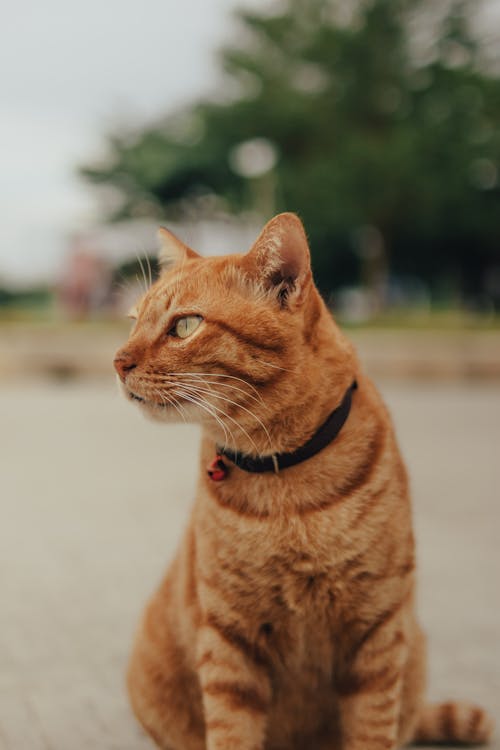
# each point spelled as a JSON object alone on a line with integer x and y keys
{"x": 378, "y": 122}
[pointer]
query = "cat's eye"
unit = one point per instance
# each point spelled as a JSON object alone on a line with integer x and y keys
{"x": 184, "y": 327}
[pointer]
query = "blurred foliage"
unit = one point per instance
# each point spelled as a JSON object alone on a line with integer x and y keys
{"x": 35, "y": 298}
{"x": 384, "y": 124}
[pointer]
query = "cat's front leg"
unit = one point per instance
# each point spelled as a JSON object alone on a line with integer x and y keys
{"x": 371, "y": 689}
{"x": 234, "y": 678}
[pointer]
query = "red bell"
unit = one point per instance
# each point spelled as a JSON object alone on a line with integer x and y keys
{"x": 217, "y": 469}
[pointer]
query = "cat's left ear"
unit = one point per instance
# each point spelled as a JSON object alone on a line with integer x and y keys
{"x": 280, "y": 259}
{"x": 172, "y": 249}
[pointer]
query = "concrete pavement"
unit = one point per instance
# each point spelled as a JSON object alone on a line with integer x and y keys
{"x": 93, "y": 499}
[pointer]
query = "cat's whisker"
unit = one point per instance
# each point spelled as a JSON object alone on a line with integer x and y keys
{"x": 140, "y": 284}
{"x": 257, "y": 398}
{"x": 239, "y": 406}
{"x": 227, "y": 416}
{"x": 203, "y": 405}
{"x": 144, "y": 259}
{"x": 150, "y": 272}
{"x": 171, "y": 401}
{"x": 180, "y": 407}
{"x": 218, "y": 375}
{"x": 270, "y": 364}
{"x": 144, "y": 280}
{"x": 199, "y": 401}
{"x": 219, "y": 384}
{"x": 196, "y": 387}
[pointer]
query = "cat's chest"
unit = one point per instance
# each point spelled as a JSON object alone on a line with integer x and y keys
{"x": 284, "y": 597}
{"x": 303, "y": 584}
{"x": 291, "y": 598}
{"x": 283, "y": 566}
{"x": 303, "y": 614}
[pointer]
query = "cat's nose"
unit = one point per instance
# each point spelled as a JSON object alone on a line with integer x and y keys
{"x": 124, "y": 362}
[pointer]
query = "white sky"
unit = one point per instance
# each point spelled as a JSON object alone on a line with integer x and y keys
{"x": 68, "y": 72}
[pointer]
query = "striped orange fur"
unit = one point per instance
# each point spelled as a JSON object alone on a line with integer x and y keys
{"x": 286, "y": 620}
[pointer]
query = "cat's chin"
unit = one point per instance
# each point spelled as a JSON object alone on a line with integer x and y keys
{"x": 162, "y": 412}
{"x": 166, "y": 415}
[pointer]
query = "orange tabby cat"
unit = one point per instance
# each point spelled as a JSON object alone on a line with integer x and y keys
{"x": 286, "y": 620}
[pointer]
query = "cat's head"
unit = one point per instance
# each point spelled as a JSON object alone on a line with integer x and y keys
{"x": 226, "y": 341}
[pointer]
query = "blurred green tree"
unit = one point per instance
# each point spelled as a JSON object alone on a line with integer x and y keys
{"x": 375, "y": 120}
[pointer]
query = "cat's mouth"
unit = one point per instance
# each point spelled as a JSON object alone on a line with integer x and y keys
{"x": 134, "y": 397}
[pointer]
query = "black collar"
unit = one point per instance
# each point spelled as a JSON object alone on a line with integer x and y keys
{"x": 325, "y": 435}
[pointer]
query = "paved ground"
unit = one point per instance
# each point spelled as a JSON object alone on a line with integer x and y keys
{"x": 93, "y": 498}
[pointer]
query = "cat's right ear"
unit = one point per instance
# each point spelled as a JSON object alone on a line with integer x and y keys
{"x": 280, "y": 259}
{"x": 172, "y": 250}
